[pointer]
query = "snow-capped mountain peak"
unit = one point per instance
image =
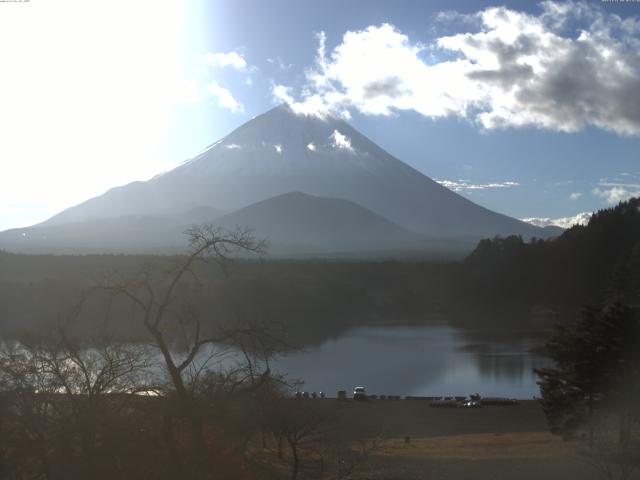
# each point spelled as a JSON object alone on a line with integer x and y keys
{"x": 280, "y": 152}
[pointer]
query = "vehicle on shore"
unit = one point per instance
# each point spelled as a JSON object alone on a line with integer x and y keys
{"x": 359, "y": 393}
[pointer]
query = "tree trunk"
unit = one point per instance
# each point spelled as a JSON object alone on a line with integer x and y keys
{"x": 170, "y": 441}
{"x": 296, "y": 460}
{"x": 88, "y": 453}
{"x": 624, "y": 429}
{"x": 88, "y": 438}
{"x": 187, "y": 407}
{"x": 590, "y": 413}
{"x": 44, "y": 456}
{"x": 199, "y": 444}
{"x": 280, "y": 449}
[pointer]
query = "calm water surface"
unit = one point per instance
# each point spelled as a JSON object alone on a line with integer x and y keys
{"x": 430, "y": 360}
{"x": 420, "y": 360}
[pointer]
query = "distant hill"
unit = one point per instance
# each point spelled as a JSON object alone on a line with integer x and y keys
{"x": 297, "y": 223}
{"x": 583, "y": 265}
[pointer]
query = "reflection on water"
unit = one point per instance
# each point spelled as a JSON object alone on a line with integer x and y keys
{"x": 419, "y": 360}
{"x": 430, "y": 360}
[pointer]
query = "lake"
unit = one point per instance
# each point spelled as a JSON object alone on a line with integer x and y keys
{"x": 424, "y": 360}
{"x": 431, "y": 360}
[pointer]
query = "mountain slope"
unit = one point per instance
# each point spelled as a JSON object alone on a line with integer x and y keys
{"x": 280, "y": 152}
{"x": 121, "y": 234}
{"x": 125, "y": 234}
{"x": 304, "y": 223}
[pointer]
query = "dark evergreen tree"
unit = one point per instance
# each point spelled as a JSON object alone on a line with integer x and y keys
{"x": 597, "y": 368}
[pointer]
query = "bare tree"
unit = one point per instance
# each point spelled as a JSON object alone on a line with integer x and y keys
{"x": 61, "y": 391}
{"x": 155, "y": 300}
{"x": 27, "y": 400}
{"x": 341, "y": 457}
{"x": 301, "y": 423}
{"x": 92, "y": 379}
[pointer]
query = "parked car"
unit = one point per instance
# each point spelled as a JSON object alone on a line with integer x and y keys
{"x": 359, "y": 393}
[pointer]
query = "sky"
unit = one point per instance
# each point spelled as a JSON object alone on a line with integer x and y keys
{"x": 530, "y": 109}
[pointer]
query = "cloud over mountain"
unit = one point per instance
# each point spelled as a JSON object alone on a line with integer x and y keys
{"x": 570, "y": 66}
{"x": 563, "y": 222}
{"x": 465, "y": 185}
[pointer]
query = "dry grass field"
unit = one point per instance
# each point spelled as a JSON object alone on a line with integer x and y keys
{"x": 521, "y": 455}
{"x": 489, "y": 443}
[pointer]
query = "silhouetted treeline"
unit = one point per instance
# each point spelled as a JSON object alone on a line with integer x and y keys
{"x": 579, "y": 267}
{"x": 311, "y": 299}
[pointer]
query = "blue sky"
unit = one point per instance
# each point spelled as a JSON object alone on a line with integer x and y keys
{"x": 531, "y": 109}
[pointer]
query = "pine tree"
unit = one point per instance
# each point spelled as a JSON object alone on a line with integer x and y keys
{"x": 597, "y": 367}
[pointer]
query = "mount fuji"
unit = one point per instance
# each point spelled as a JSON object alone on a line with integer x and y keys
{"x": 310, "y": 184}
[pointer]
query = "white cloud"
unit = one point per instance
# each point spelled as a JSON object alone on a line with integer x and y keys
{"x": 619, "y": 188}
{"x": 616, "y": 194}
{"x": 230, "y": 59}
{"x": 233, "y": 60}
{"x": 465, "y": 185}
{"x": 277, "y": 61}
{"x": 563, "y": 222}
{"x": 283, "y": 94}
{"x": 341, "y": 141}
{"x": 278, "y": 148}
{"x": 518, "y": 70}
{"x": 233, "y": 146}
{"x": 311, "y": 146}
{"x": 225, "y": 98}
{"x": 311, "y": 106}
{"x": 575, "y": 196}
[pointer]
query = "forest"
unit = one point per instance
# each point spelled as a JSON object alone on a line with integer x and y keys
{"x": 581, "y": 266}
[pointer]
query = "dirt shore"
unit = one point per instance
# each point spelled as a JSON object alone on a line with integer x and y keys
{"x": 417, "y": 419}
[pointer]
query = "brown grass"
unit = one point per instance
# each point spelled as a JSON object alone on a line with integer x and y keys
{"x": 482, "y": 446}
